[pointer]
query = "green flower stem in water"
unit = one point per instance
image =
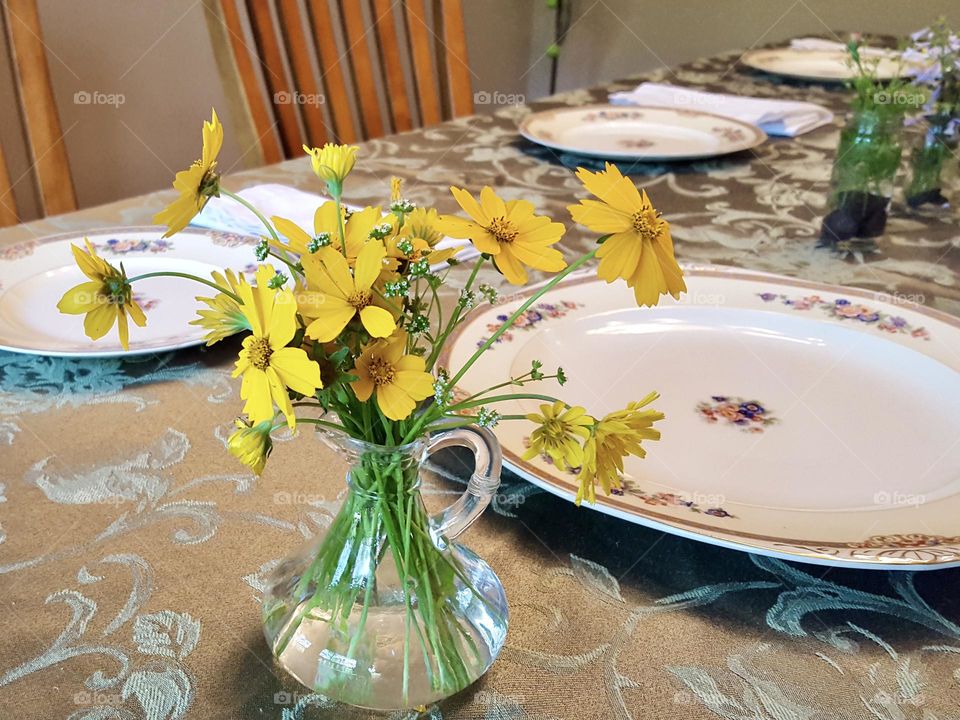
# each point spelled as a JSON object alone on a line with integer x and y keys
{"x": 927, "y": 163}
{"x": 384, "y": 521}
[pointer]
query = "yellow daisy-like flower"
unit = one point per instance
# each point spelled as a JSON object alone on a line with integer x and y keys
{"x": 560, "y": 434}
{"x": 105, "y": 299}
{"x": 269, "y": 367}
{"x": 639, "y": 249}
{"x": 399, "y": 381}
{"x": 224, "y": 316}
{"x": 335, "y": 296}
{"x": 197, "y": 184}
{"x": 614, "y": 437}
{"x": 508, "y": 231}
{"x": 251, "y": 444}
{"x": 422, "y": 228}
{"x": 332, "y": 163}
{"x": 327, "y": 233}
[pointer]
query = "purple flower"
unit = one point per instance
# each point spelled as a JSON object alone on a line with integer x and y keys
{"x": 841, "y": 301}
{"x": 717, "y": 512}
{"x": 719, "y": 398}
{"x": 767, "y": 297}
{"x": 897, "y": 322}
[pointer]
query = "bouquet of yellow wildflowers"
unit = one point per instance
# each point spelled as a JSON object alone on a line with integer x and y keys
{"x": 347, "y": 336}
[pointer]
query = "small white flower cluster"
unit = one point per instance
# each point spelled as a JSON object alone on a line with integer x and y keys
{"x": 320, "y": 241}
{"x": 405, "y": 246}
{"x": 396, "y": 288}
{"x": 381, "y": 231}
{"x": 487, "y": 418}
{"x": 442, "y": 394}
{"x": 468, "y": 298}
{"x": 402, "y": 206}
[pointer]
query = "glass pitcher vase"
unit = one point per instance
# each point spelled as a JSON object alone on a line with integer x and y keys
{"x": 383, "y": 610}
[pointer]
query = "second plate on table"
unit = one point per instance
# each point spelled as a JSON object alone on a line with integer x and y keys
{"x": 640, "y": 133}
{"x": 34, "y": 274}
{"x": 803, "y": 421}
{"x": 821, "y": 65}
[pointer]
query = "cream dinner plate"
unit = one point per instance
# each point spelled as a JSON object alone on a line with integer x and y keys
{"x": 34, "y": 274}
{"x": 640, "y": 133}
{"x": 821, "y": 65}
{"x": 803, "y": 421}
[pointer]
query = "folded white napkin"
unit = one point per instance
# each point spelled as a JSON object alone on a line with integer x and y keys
{"x": 228, "y": 215}
{"x": 775, "y": 117}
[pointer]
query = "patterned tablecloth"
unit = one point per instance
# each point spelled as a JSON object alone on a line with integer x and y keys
{"x": 132, "y": 546}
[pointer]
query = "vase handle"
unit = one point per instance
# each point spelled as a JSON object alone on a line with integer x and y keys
{"x": 483, "y": 484}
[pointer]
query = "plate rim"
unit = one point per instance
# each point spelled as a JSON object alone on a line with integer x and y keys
{"x": 106, "y": 230}
{"x": 815, "y": 552}
{"x": 760, "y": 136}
{"x": 747, "y": 60}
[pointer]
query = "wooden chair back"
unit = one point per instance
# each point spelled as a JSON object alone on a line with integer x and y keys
{"x": 316, "y": 71}
{"x": 45, "y": 138}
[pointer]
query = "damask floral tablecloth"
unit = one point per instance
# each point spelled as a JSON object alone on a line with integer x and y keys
{"x": 132, "y": 546}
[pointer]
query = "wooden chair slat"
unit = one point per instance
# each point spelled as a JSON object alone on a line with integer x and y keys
{"x": 332, "y": 68}
{"x": 47, "y": 148}
{"x": 225, "y": 24}
{"x": 8, "y": 204}
{"x": 271, "y": 55}
{"x": 418, "y": 33}
{"x": 458, "y": 73}
{"x": 390, "y": 60}
{"x": 363, "y": 69}
{"x": 385, "y": 66}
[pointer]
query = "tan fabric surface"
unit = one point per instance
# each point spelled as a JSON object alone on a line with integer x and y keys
{"x": 131, "y": 543}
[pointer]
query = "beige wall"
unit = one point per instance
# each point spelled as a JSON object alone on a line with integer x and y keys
{"x": 157, "y": 56}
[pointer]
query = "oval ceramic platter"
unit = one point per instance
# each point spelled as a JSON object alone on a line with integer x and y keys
{"x": 640, "y": 133}
{"x": 821, "y": 65}
{"x": 803, "y": 421}
{"x": 34, "y": 274}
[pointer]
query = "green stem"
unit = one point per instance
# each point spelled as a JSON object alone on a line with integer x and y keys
{"x": 322, "y": 423}
{"x": 251, "y": 208}
{"x": 466, "y": 405}
{"x": 522, "y": 309}
{"x": 188, "y": 276}
{"x": 454, "y": 318}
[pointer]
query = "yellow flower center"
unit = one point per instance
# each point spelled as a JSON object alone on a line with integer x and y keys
{"x": 360, "y": 299}
{"x": 645, "y": 224}
{"x": 503, "y": 230}
{"x": 380, "y": 371}
{"x": 259, "y": 353}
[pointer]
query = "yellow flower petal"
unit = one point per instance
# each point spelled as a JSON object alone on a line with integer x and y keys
{"x": 81, "y": 298}
{"x": 377, "y": 321}
{"x": 369, "y": 264}
{"x": 98, "y": 321}
{"x": 394, "y": 402}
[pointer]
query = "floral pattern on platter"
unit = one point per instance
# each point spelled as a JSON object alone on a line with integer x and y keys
{"x": 747, "y": 415}
{"x": 612, "y": 115}
{"x": 146, "y": 303}
{"x": 731, "y": 134}
{"x": 843, "y": 309}
{"x": 20, "y": 250}
{"x": 232, "y": 240}
{"x": 910, "y": 540}
{"x": 115, "y": 246}
{"x": 531, "y": 318}
{"x": 636, "y": 143}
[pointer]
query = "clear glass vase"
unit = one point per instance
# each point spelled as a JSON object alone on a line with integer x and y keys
{"x": 383, "y": 610}
{"x": 930, "y": 163}
{"x": 864, "y": 172}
